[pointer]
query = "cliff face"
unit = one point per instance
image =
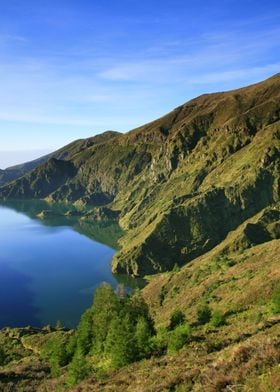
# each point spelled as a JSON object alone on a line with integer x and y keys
{"x": 180, "y": 183}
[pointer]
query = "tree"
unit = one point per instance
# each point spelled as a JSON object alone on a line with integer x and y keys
{"x": 177, "y": 318}
{"x": 55, "y": 352}
{"x": 78, "y": 369}
{"x": 84, "y": 332}
{"x": 136, "y": 307}
{"x": 143, "y": 333}
{"x": 120, "y": 343}
{"x": 106, "y": 306}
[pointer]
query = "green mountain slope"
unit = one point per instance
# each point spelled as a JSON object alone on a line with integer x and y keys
{"x": 180, "y": 183}
{"x": 64, "y": 153}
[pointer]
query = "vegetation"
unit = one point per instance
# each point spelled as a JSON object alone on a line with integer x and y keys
{"x": 217, "y": 319}
{"x": 204, "y": 314}
{"x": 197, "y": 194}
{"x": 177, "y": 318}
{"x": 173, "y": 184}
{"x": 275, "y": 303}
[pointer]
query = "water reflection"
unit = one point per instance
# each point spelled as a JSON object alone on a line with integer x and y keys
{"x": 50, "y": 268}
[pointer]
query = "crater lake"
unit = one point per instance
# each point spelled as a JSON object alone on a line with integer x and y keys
{"x": 50, "y": 268}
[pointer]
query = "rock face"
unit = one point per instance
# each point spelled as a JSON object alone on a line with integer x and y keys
{"x": 181, "y": 183}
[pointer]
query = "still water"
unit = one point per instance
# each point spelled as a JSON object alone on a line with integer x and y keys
{"x": 50, "y": 269}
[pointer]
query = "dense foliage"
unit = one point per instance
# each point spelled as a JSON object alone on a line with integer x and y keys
{"x": 115, "y": 331}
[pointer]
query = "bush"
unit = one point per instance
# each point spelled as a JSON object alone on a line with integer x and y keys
{"x": 275, "y": 300}
{"x": 204, "y": 315}
{"x": 178, "y": 338}
{"x": 158, "y": 342}
{"x": 177, "y": 318}
{"x": 2, "y": 356}
{"x": 217, "y": 319}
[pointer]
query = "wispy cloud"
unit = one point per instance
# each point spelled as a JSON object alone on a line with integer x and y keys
{"x": 85, "y": 87}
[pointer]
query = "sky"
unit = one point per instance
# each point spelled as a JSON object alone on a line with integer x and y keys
{"x": 70, "y": 69}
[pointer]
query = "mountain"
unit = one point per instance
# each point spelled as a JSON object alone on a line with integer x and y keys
{"x": 197, "y": 193}
{"x": 64, "y": 153}
{"x": 179, "y": 184}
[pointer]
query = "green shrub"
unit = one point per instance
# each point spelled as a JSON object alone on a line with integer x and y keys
{"x": 2, "y": 356}
{"x": 204, "y": 314}
{"x": 178, "y": 338}
{"x": 275, "y": 300}
{"x": 217, "y": 319}
{"x": 158, "y": 343}
{"x": 177, "y": 318}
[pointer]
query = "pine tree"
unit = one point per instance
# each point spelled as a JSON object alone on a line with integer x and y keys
{"x": 120, "y": 343}
{"x": 142, "y": 336}
{"x": 84, "y": 332}
{"x": 106, "y": 306}
{"x": 78, "y": 369}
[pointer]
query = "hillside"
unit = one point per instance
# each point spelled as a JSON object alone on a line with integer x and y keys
{"x": 237, "y": 350}
{"x": 65, "y": 153}
{"x": 179, "y": 184}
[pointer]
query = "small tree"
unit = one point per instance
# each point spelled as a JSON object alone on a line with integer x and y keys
{"x": 142, "y": 336}
{"x": 55, "y": 352}
{"x": 78, "y": 369}
{"x": 84, "y": 332}
{"x": 203, "y": 314}
{"x": 120, "y": 343}
{"x": 177, "y": 318}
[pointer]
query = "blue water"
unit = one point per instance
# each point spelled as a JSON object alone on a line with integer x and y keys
{"x": 47, "y": 272}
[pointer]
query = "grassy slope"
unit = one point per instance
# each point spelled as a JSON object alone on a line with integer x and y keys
{"x": 243, "y": 354}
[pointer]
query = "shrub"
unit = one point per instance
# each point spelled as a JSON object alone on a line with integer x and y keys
{"x": 275, "y": 300}
{"x": 158, "y": 342}
{"x": 177, "y": 318}
{"x": 178, "y": 338}
{"x": 217, "y": 319}
{"x": 204, "y": 314}
{"x": 2, "y": 356}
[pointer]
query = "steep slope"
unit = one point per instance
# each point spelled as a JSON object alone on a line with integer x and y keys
{"x": 182, "y": 182}
{"x": 64, "y": 153}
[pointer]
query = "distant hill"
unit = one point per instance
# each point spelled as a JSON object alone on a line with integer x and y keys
{"x": 64, "y": 153}
{"x": 180, "y": 183}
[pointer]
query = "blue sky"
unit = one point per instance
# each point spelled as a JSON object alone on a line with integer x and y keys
{"x": 71, "y": 69}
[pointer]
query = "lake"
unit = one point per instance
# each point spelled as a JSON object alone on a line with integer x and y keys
{"x": 50, "y": 269}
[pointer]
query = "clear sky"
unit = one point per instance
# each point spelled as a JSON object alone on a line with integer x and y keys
{"x": 73, "y": 68}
